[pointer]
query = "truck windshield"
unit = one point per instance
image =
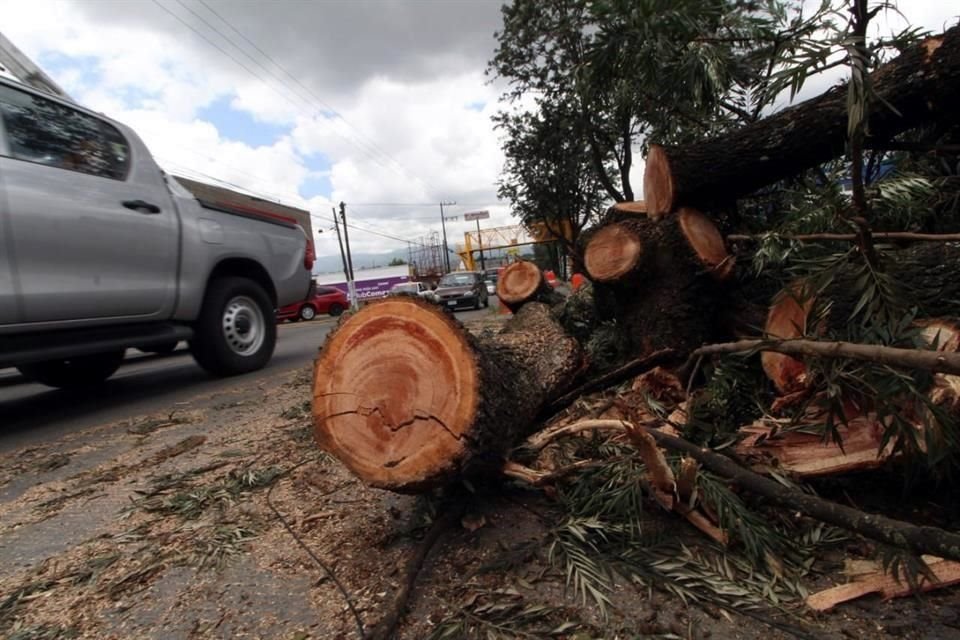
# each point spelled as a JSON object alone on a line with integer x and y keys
{"x": 456, "y": 280}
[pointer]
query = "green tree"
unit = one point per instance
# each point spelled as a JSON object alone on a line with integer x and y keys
{"x": 396, "y": 262}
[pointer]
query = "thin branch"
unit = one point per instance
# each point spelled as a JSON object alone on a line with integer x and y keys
{"x": 935, "y": 361}
{"x": 851, "y": 237}
{"x": 386, "y": 628}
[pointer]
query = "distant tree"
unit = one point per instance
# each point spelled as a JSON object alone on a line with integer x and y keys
{"x": 396, "y": 262}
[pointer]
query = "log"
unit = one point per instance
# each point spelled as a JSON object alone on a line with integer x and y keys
{"x": 921, "y": 85}
{"x": 408, "y": 400}
{"x": 660, "y": 278}
{"x": 806, "y": 454}
{"x": 946, "y": 572}
{"x": 523, "y": 282}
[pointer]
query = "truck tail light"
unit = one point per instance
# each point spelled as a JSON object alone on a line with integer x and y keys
{"x": 309, "y": 256}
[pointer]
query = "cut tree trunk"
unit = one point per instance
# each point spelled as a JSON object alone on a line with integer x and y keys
{"x": 919, "y": 86}
{"x": 408, "y": 400}
{"x": 661, "y": 278}
{"x": 523, "y": 282}
{"x": 631, "y": 248}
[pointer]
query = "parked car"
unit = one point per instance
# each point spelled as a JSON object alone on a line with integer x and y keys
{"x": 491, "y": 277}
{"x": 328, "y": 300}
{"x": 461, "y": 290}
{"x": 417, "y": 289}
{"x": 103, "y": 251}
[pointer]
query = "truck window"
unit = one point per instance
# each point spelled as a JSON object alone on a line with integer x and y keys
{"x": 46, "y": 132}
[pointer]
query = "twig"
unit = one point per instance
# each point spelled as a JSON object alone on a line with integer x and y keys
{"x": 320, "y": 563}
{"x": 386, "y": 628}
{"x": 936, "y": 361}
{"x": 609, "y": 379}
{"x": 851, "y": 237}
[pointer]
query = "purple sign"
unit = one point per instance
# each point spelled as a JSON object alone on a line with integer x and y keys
{"x": 373, "y": 287}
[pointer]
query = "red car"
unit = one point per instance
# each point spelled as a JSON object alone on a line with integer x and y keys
{"x": 325, "y": 300}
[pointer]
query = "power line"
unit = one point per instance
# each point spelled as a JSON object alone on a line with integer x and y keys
{"x": 361, "y": 136}
{"x": 366, "y": 150}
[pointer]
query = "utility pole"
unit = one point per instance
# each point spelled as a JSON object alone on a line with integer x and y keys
{"x": 351, "y": 286}
{"x": 343, "y": 256}
{"x": 483, "y": 265}
{"x": 443, "y": 224}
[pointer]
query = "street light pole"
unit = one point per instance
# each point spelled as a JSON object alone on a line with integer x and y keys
{"x": 443, "y": 224}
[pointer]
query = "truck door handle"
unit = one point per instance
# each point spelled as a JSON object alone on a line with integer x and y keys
{"x": 141, "y": 206}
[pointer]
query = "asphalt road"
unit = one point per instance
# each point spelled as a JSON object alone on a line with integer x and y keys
{"x": 32, "y": 413}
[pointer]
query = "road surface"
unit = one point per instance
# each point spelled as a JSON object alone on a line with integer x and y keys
{"x": 32, "y": 413}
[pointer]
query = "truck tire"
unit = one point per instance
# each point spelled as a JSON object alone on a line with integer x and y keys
{"x": 307, "y": 313}
{"x": 236, "y": 332}
{"x": 84, "y": 371}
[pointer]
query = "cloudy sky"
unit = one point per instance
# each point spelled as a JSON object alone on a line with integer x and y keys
{"x": 380, "y": 103}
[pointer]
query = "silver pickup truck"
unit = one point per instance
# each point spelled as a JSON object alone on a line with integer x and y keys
{"x": 100, "y": 251}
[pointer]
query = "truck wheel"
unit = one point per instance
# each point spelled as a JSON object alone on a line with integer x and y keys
{"x": 84, "y": 371}
{"x": 335, "y": 310}
{"x": 235, "y": 332}
{"x": 307, "y": 313}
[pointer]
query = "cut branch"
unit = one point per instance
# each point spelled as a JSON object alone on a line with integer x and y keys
{"x": 523, "y": 282}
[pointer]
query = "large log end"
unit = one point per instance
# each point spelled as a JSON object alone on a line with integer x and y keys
{"x": 786, "y": 319}
{"x": 707, "y": 243}
{"x": 612, "y": 252}
{"x": 395, "y": 388}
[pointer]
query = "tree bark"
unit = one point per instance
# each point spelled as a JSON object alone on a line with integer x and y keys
{"x": 660, "y": 278}
{"x": 523, "y": 282}
{"x": 408, "y": 400}
{"x": 922, "y": 84}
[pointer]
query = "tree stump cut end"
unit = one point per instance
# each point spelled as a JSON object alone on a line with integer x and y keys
{"x": 706, "y": 242}
{"x": 786, "y": 319}
{"x": 612, "y": 252}
{"x": 659, "y": 191}
{"x": 518, "y": 282}
{"x": 395, "y": 391}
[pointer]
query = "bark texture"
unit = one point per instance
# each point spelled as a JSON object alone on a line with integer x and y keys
{"x": 922, "y": 84}
{"x": 408, "y": 400}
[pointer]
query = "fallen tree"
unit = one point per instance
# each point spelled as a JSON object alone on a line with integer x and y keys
{"x": 921, "y": 85}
